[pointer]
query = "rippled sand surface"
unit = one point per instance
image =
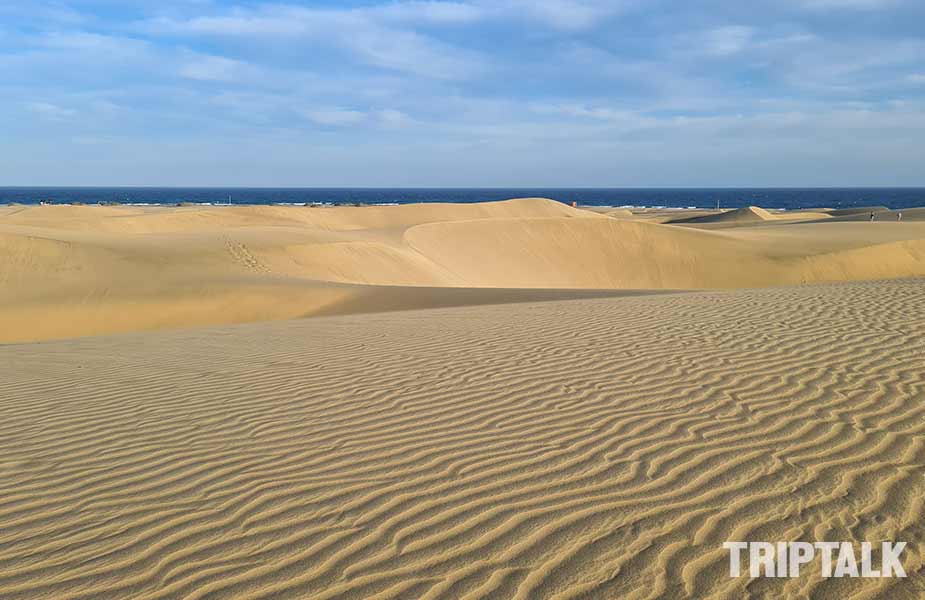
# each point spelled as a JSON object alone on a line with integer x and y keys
{"x": 587, "y": 448}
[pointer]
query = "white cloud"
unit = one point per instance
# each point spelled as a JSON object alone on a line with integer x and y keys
{"x": 411, "y": 52}
{"x": 387, "y": 118}
{"x": 394, "y": 119}
{"x": 373, "y": 36}
{"x": 727, "y": 41}
{"x": 239, "y": 24}
{"x": 849, "y": 66}
{"x": 82, "y": 41}
{"x": 848, "y": 4}
{"x": 51, "y": 112}
{"x": 335, "y": 117}
{"x": 47, "y": 12}
{"x": 213, "y": 68}
{"x": 569, "y": 15}
{"x": 444, "y": 13}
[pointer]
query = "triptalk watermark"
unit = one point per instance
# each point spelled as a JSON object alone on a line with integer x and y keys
{"x": 837, "y": 559}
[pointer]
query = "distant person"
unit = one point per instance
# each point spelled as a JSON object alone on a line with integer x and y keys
{"x": 899, "y": 216}
{"x": 871, "y": 215}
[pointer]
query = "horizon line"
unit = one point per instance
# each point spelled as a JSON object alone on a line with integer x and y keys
{"x": 259, "y": 187}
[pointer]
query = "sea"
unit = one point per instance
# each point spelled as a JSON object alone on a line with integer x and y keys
{"x": 779, "y": 198}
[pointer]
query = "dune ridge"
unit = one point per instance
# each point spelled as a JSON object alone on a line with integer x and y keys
{"x": 86, "y": 270}
{"x": 738, "y": 215}
{"x": 594, "y": 448}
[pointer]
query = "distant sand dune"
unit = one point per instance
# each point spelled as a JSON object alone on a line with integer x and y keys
{"x": 881, "y": 214}
{"x": 859, "y": 210}
{"x": 750, "y": 215}
{"x": 86, "y": 270}
{"x": 739, "y": 215}
{"x": 619, "y": 213}
{"x": 596, "y": 448}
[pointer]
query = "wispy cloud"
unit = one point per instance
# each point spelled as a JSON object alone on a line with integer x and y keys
{"x": 212, "y": 68}
{"x": 468, "y": 92}
{"x": 335, "y": 116}
{"x": 849, "y": 4}
{"x": 727, "y": 40}
{"x": 376, "y": 36}
{"x": 572, "y": 15}
{"x": 53, "y": 112}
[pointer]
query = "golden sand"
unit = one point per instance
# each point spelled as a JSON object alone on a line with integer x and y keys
{"x": 78, "y": 270}
{"x": 547, "y": 442}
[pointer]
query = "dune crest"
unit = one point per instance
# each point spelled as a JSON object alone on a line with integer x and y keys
{"x": 749, "y": 213}
{"x": 84, "y": 270}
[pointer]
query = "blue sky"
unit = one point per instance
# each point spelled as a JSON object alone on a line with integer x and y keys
{"x": 463, "y": 93}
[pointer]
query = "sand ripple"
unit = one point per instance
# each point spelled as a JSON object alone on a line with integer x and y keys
{"x": 597, "y": 448}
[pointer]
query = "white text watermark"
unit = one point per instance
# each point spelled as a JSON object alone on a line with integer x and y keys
{"x": 837, "y": 559}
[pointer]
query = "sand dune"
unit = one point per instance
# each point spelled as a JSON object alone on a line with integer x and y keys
{"x": 748, "y": 214}
{"x": 555, "y": 407}
{"x": 862, "y": 211}
{"x": 597, "y": 448}
{"x": 80, "y": 270}
{"x": 881, "y": 214}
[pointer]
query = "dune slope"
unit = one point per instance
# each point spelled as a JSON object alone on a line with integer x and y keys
{"x": 748, "y": 214}
{"x": 598, "y": 448}
{"x": 80, "y": 270}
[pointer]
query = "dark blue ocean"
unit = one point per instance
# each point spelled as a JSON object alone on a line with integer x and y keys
{"x": 786, "y": 198}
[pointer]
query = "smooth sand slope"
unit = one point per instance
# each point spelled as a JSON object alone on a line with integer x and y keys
{"x": 750, "y": 215}
{"x": 85, "y": 270}
{"x": 597, "y": 448}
